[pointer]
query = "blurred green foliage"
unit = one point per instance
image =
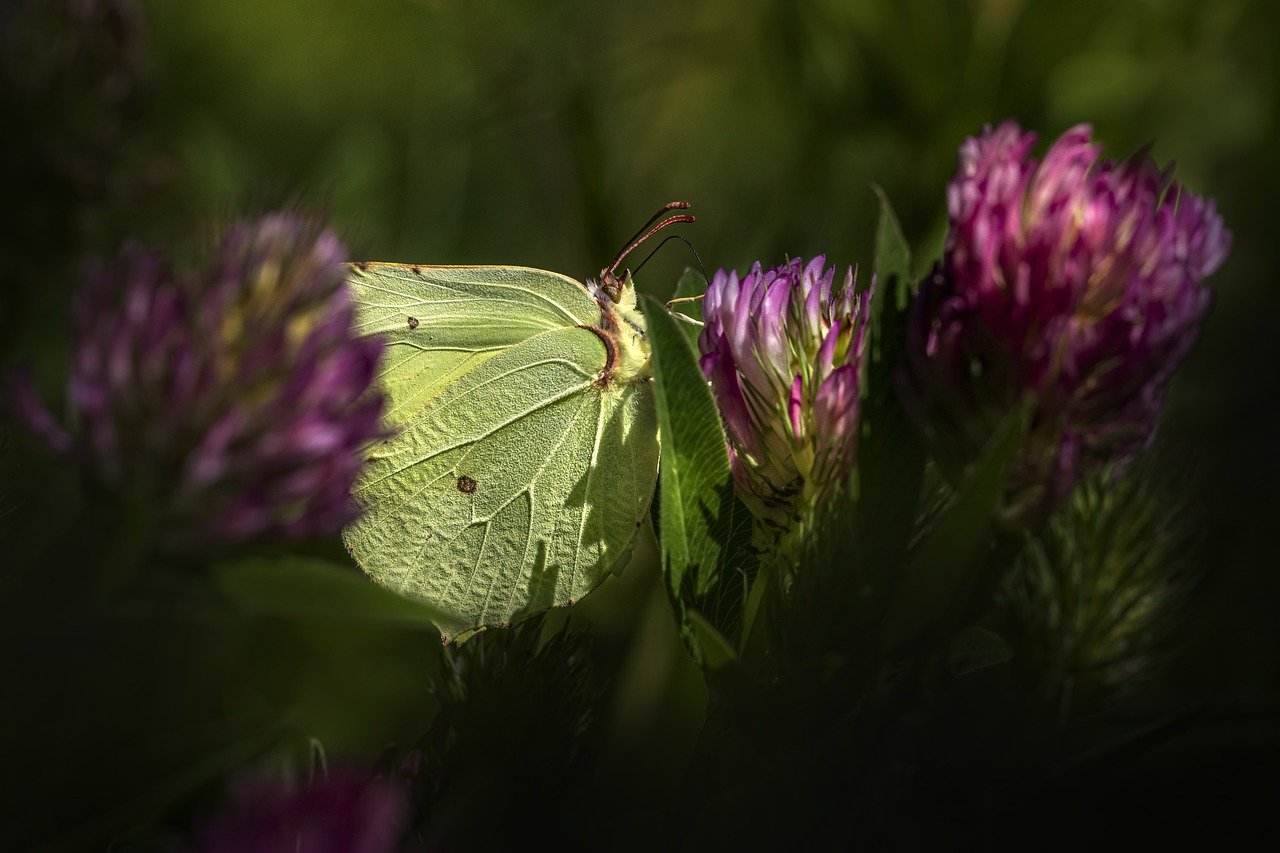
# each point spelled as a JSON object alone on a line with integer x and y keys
{"x": 498, "y": 131}
{"x": 540, "y": 134}
{"x": 503, "y": 131}
{"x": 492, "y": 131}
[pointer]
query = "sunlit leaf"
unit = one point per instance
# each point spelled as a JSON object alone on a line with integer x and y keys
{"x": 704, "y": 528}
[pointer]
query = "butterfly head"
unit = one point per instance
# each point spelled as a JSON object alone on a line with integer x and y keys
{"x": 611, "y": 285}
{"x": 620, "y": 318}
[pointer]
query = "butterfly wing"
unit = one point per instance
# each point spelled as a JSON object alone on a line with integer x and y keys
{"x": 441, "y": 322}
{"x": 514, "y": 482}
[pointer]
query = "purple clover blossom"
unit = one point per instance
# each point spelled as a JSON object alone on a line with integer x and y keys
{"x": 237, "y": 400}
{"x": 1073, "y": 285}
{"x": 783, "y": 351}
{"x": 343, "y": 813}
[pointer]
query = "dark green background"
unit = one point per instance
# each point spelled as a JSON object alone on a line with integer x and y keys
{"x": 543, "y": 133}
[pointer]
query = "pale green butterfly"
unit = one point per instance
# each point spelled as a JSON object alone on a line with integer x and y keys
{"x": 524, "y": 447}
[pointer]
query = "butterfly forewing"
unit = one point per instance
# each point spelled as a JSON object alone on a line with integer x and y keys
{"x": 441, "y": 322}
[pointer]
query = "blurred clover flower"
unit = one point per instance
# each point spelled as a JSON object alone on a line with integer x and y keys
{"x": 1072, "y": 285}
{"x": 783, "y": 351}
{"x": 346, "y": 812}
{"x": 235, "y": 402}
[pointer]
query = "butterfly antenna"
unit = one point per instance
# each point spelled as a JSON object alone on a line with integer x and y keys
{"x": 669, "y": 206}
{"x": 682, "y": 239}
{"x": 642, "y": 235}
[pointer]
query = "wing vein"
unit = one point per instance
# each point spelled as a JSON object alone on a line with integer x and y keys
{"x": 586, "y": 503}
{"x": 537, "y": 297}
{"x": 533, "y": 481}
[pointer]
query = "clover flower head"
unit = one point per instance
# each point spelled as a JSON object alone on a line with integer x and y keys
{"x": 236, "y": 401}
{"x": 1071, "y": 284}
{"x": 783, "y": 349}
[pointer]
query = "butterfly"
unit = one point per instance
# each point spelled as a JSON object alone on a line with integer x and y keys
{"x": 523, "y": 449}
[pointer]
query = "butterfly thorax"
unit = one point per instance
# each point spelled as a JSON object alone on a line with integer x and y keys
{"x": 622, "y": 321}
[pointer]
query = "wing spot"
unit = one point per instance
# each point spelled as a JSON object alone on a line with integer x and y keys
{"x": 363, "y": 266}
{"x": 413, "y": 322}
{"x": 466, "y": 485}
{"x": 417, "y": 270}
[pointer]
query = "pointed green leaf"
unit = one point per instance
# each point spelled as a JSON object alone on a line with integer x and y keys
{"x": 717, "y": 652}
{"x": 893, "y": 257}
{"x": 704, "y": 528}
{"x": 891, "y": 458}
{"x": 726, "y": 674}
{"x": 976, "y": 648}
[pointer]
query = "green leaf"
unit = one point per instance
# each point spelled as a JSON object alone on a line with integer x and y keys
{"x": 726, "y": 674}
{"x": 976, "y": 648}
{"x": 309, "y": 589}
{"x": 891, "y": 457}
{"x": 936, "y": 587}
{"x": 704, "y": 528}
{"x": 893, "y": 259}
